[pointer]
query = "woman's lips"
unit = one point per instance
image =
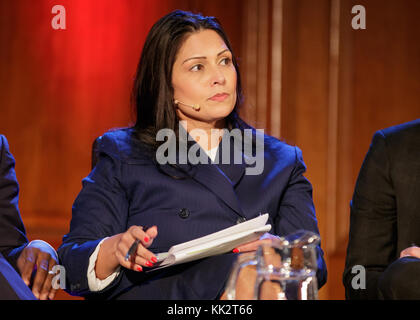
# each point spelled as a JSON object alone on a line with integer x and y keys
{"x": 219, "y": 97}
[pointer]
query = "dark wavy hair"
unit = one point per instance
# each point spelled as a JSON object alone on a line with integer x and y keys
{"x": 153, "y": 94}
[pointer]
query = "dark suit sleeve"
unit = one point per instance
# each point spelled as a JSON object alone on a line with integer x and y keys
{"x": 373, "y": 218}
{"x": 297, "y": 211}
{"x": 100, "y": 210}
{"x": 12, "y": 231}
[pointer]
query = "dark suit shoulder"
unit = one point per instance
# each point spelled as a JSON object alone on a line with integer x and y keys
{"x": 278, "y": 150}
{"x": 12, "y": 231}
{"x": 402, "y": 132}
{"x": 401, "y": 143}
{"x": 3, "y": 145}
{"x": 123, "y": 144}
{"x": 7, "y": 161}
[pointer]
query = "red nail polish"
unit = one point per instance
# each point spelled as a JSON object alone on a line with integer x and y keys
{"x": 146, "y": 239}
{"x": 139, "y": 269}
{"x": 236, "y": 250}
{"x": 154, "y": 259}
{"x": 149, "y": 264}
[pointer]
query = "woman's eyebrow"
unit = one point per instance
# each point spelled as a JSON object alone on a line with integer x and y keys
{"x": 204, "y": 57}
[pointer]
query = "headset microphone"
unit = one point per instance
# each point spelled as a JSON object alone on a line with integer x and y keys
{"x": 196, "y": 106}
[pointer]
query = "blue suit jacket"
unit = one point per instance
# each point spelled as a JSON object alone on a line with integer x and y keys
{"x": 12, "y": 231}
{"x": 126, "y": 188}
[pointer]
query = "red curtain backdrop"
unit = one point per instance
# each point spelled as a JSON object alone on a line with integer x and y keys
{"x": 60, "y": 89}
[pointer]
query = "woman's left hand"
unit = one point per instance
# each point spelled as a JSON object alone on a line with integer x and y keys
{"x": 266, "y": 238}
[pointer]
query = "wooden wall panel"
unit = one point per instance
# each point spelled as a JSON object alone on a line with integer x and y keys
{"x": 378, "y": 87}
{"x": 255, "y": 62}
{"x": 305, "y": 99}
{"x": 338, "y": 86}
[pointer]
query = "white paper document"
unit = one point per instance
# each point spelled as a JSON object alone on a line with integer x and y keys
{"x": 213, "y": 244}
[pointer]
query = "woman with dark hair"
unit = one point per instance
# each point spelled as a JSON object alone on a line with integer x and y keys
{"x": 163, "y": 192}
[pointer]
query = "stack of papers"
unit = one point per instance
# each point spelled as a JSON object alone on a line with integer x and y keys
{"x": 214, "y": 244}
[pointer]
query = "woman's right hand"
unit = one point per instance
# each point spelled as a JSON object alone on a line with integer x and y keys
{"x": 114, "y": 249}
{"x": 141, "y": 257}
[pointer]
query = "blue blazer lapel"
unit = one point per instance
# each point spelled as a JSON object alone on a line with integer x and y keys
{"x": 233, "y": 171}
{"x": 219, "y": 178}
{"x": 214, "y": 179}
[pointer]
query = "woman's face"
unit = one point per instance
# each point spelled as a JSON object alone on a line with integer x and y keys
{"x": 203, "y": 74}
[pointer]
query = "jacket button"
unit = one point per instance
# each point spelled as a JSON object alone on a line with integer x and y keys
{"x": 184, "y": 213}
{"x": 240, "y": 220}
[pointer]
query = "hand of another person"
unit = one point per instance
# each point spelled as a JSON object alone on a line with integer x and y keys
{"x": 412, "y": 251}
{"x": 141, "y": 257}
{"x": 266, "y": 238}
{"x": 39, "y": 257}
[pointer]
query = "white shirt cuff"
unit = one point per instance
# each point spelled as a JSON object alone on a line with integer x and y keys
{"x": 46, "y": 243}
{"x": 94, "y": 283}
